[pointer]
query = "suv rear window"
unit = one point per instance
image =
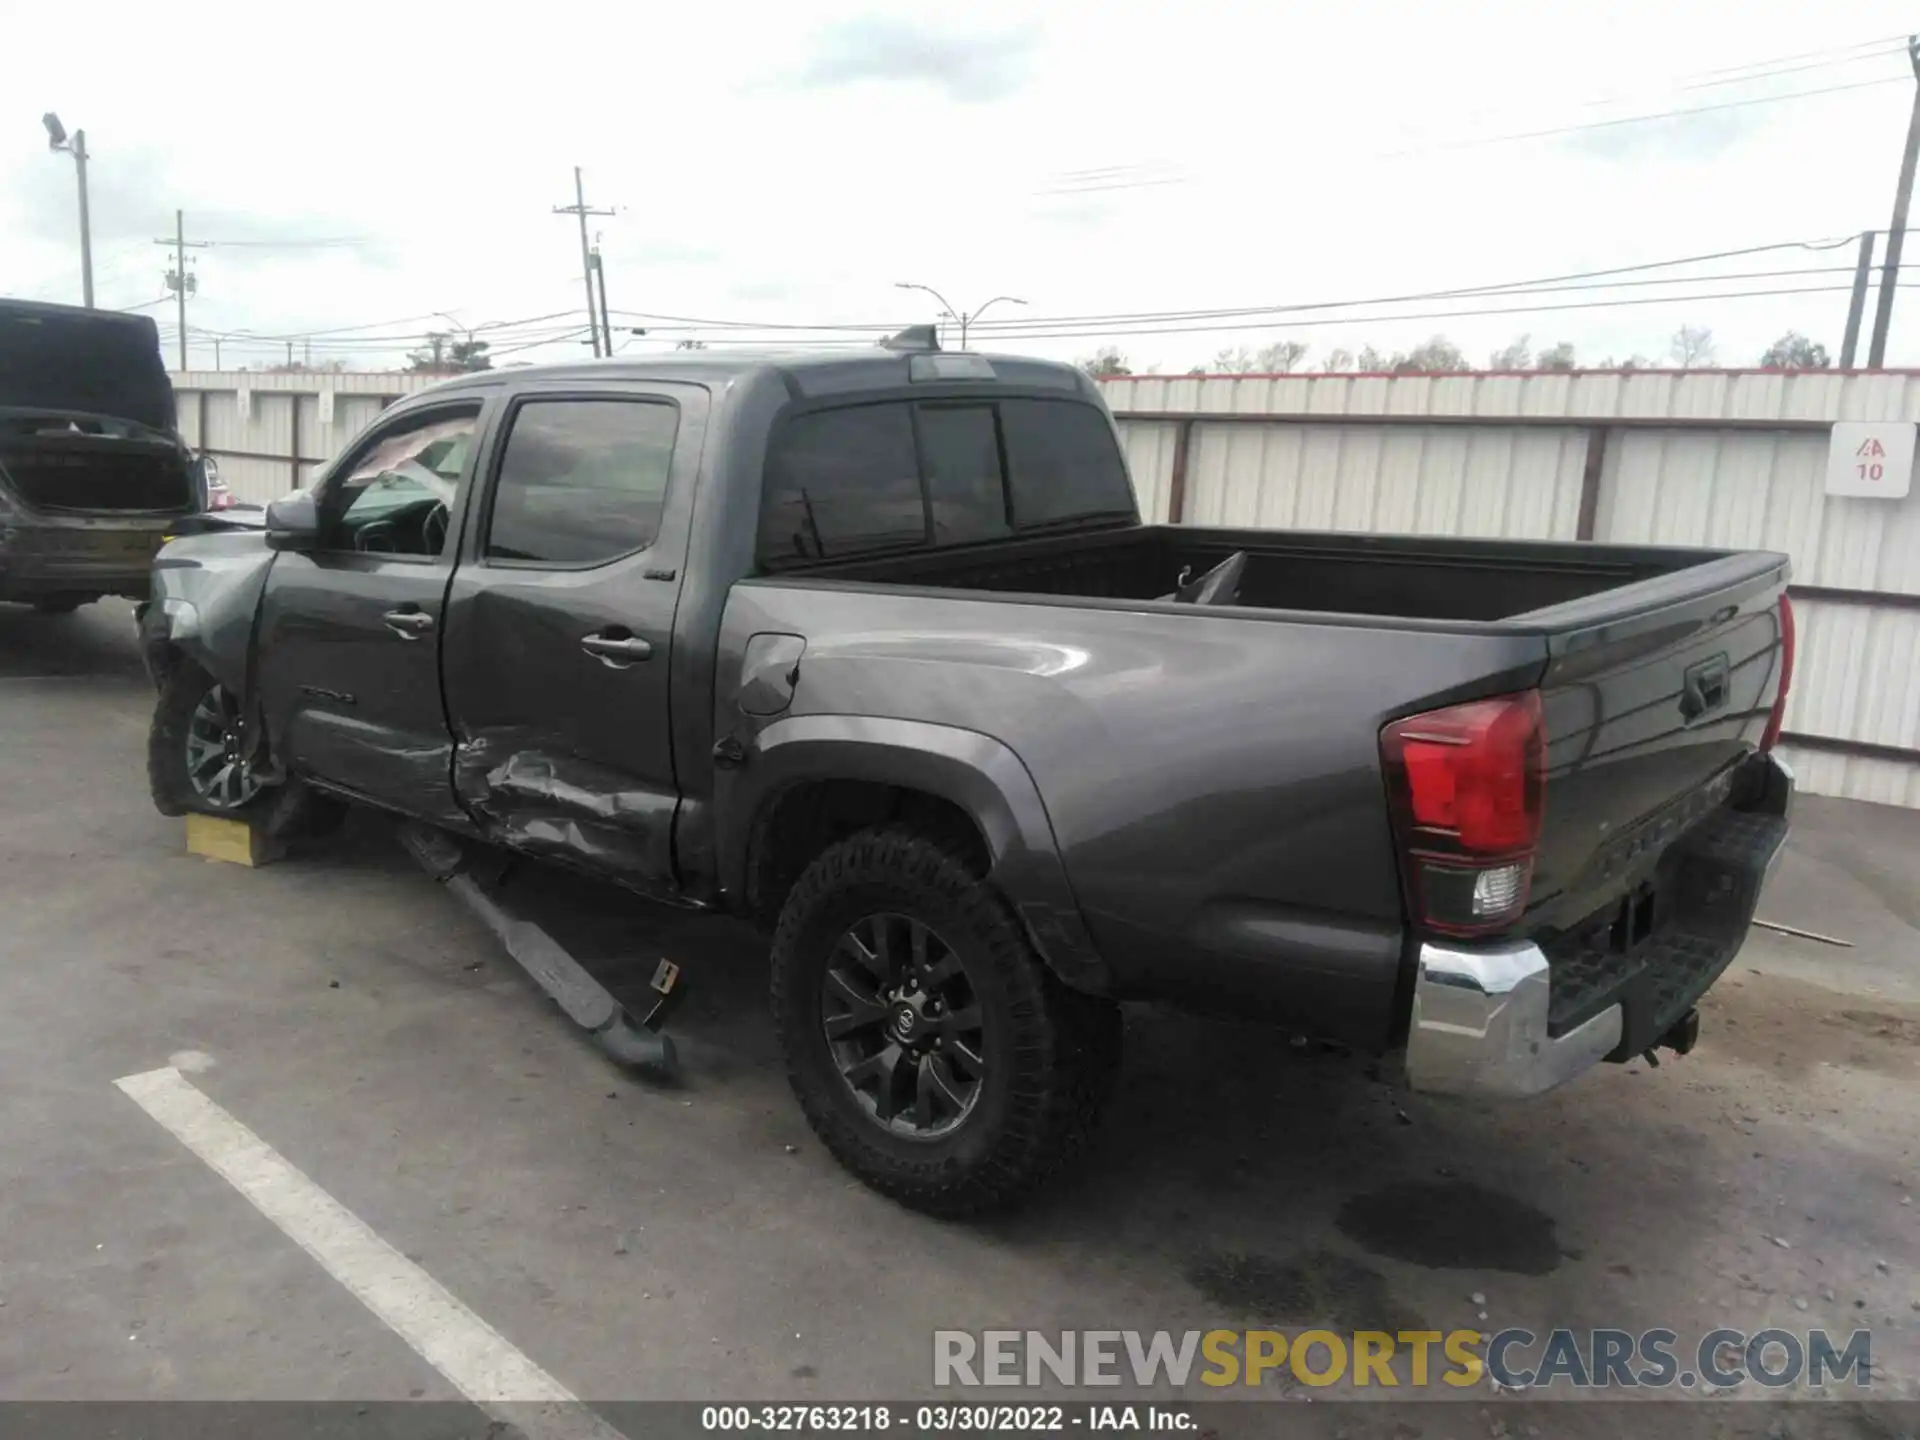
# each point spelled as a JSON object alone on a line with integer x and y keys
{"x": 903, "y": 475}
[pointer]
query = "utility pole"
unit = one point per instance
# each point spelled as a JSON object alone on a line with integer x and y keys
{"x": 579, "y": 208}
{"x": 1897, "y": 232}
{"x": 1857, "y": 303}
{"x": 216, "y": 352}
{"x": 179, "y": 280}
{"x": 606, "y": 316}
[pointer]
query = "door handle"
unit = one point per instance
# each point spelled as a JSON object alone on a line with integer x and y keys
{"x": 408, "y": 624}
{"x": 617, "y": 651}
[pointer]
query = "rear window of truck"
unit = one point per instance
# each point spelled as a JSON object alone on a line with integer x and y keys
{"x": 903, "y": 475}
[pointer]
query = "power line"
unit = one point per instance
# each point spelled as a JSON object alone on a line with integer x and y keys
{"x": 1028, "y": 325}
{"x": 330, "y": 242}
{"x": 1808, "y": 55}
{"x": 1118, "y": 177}
{"x": 358, "y": 330}
{"x": 1657, "y": 115}
{"x": 1881, "y": 53}
{"x": 1125, "y": 331}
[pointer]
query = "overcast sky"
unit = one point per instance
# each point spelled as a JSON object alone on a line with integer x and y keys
{"x": 787, "y": 164}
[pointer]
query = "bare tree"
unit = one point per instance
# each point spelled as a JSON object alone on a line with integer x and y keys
{"x": 1793, "y": 351}
{"x": 1372, "y": 362}
{"x": 1431, "y": 357}
{"x": 1516, "y": 356}
{"x": 1559, "y": 357}
{"x": 1235, "y": 360}
{"x": 1692, "y": 345}
{"x": 1281, "y": 357}
{"x": 1336, "y": 360}
{"x": 1106, "y": 362}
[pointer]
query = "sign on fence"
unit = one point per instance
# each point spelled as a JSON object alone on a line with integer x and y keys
{"x": 1873, "y": 458}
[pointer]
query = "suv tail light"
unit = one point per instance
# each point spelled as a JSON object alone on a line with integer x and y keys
{"x": 1468, "y": 791}
{"x": 1771, "y": 735}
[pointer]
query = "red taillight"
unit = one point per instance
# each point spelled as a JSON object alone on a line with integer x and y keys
{"x": 1771, "y": 735}
{"x": 1468, "y": 784}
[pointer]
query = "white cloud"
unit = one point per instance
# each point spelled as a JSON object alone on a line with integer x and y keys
{"x": 789, "y": 164}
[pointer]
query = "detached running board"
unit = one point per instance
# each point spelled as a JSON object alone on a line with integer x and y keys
{"x": 587, "y": 1002}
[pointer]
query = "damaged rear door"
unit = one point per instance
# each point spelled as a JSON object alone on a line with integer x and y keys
{"x": 560, "y": 626}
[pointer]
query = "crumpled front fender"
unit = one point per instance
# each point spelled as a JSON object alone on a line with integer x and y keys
{"x": 206, "y": 595}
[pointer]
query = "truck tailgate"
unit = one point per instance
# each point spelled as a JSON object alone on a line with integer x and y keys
{"x": 1651, "y": 849}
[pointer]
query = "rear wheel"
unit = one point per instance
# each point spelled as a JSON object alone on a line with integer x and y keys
{"x": 934, "y": 1053}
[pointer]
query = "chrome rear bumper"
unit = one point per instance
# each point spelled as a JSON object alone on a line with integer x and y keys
{"x": 1480, "y": 1025}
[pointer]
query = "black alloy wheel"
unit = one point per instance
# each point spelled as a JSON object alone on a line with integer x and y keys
{"x": 904, "y": 1026}
{"x": 219, "y": 765}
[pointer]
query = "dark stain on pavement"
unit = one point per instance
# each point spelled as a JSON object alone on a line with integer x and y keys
{"x": 1452, "y": 1225}
{"x": 1317, "y": 1287}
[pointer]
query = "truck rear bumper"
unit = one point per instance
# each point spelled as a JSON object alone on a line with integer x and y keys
{"x": 1485, "y": 1020}
{"x": 1480, "y": 1025}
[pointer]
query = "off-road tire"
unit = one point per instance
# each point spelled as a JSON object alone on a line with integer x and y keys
{"x": 1053, "y": 1053}
{"x": 285, "y": 811}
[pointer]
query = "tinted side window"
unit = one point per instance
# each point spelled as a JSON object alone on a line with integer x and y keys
{"x": 1063, "y": 460}
{"x": 582, "y": 481}
{"x": 842, "y": 481}
{"x": 960, "y": 456}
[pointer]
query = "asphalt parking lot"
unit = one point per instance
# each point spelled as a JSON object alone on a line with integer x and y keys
{"x": 696, "y": 1243}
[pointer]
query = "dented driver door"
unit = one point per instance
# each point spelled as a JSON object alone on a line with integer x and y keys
{"x": 560, "y": 625}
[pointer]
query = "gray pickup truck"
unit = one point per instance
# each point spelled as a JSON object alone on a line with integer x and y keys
{"x": 873, "y": 646}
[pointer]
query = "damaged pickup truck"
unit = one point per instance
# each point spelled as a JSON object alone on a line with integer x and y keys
{"x": 93, "y": 474}
{"x": 875, "y": 648}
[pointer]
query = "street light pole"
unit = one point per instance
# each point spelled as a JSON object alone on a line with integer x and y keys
{"x": 966, "y": 320}
{"x": 86, "y": 224}
{"x": 57, "y": 139}
{"x": 952, "y": 312}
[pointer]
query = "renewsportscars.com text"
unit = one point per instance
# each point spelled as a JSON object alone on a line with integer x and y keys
{"x": 1516, "y": 1358}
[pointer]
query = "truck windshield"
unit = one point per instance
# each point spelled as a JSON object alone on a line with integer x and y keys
{"x": 900, "y": 475}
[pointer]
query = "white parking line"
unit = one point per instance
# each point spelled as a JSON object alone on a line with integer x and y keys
{"x": 477, "y": 1360}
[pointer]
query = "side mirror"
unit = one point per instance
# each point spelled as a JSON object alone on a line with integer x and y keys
{"x": 293, "y": 522}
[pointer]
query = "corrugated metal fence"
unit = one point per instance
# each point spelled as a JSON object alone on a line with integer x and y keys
{"x": 269, "y": 431}
{"x": 1654, "y": 457}
{"x": 1718, "y": 458}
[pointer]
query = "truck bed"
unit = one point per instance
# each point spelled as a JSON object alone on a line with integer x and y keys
{"x": 1263, "y": 718}
{"x": 1404, "y": 576}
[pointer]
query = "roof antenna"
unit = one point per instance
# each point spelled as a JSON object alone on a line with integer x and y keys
{"x": 924, "y": 338}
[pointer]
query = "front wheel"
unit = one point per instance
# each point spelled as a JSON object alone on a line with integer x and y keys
{"x": 932, "y": 1050}
{"x": 202, "y": 759}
